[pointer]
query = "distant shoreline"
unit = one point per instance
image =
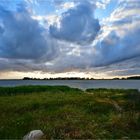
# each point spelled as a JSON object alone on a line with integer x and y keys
{"x": 36, "y": 79}
{"x": 78, "y": 78}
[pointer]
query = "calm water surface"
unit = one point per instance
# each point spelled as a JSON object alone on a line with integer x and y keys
{"x": 83, "y": 84}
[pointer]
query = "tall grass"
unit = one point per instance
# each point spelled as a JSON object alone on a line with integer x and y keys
{"x": 62, "y": 112}
{"x": 35, "y": 89}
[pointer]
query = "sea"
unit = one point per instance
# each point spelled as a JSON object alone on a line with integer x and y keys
{"x": 82, "y": 84}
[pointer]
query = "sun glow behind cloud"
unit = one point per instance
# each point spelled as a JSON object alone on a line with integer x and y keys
{"x": 38, "y": 74}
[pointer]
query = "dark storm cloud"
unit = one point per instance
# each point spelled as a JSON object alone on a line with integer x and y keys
{"x": 115, "y": 49}
{"x": 124, "y": 68}
{"x": 20, "y": 65}
{"x": 77, "y": 24}
{"x": 21, "y": 37}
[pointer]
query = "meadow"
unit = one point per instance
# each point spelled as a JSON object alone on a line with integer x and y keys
{"x": 62, "y": 112}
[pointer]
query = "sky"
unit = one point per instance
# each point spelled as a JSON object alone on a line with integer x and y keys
{"x": 69, "y": 38}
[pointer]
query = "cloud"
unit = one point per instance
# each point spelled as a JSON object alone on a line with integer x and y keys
{"x": 102, "y": 3}
{"x": 22, "y": 37}
{"x": 77, "y": 25}
{"x": 124, "y": 68}
{"x": 119, "y": 37}
{"x": 71, "y": 39}
{"x": 117, "y": 42}
{"x": 1, "y": 30}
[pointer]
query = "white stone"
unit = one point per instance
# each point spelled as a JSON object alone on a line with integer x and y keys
{"x": 34, "y": 135}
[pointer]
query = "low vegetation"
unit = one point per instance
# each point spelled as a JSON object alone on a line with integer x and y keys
{"x": 62, "y": 112}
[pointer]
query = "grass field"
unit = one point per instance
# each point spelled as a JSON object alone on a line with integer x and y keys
{"x": 64, "y": 112}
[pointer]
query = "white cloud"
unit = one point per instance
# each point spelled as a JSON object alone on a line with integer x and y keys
{"x": 119, "y": 37}
{"x": 102, "y": 3}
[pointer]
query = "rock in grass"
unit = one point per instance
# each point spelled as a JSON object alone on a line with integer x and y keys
{"x": 34, "y": 135}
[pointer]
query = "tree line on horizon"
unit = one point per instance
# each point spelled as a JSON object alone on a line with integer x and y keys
{"x": 79, "y": 78}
